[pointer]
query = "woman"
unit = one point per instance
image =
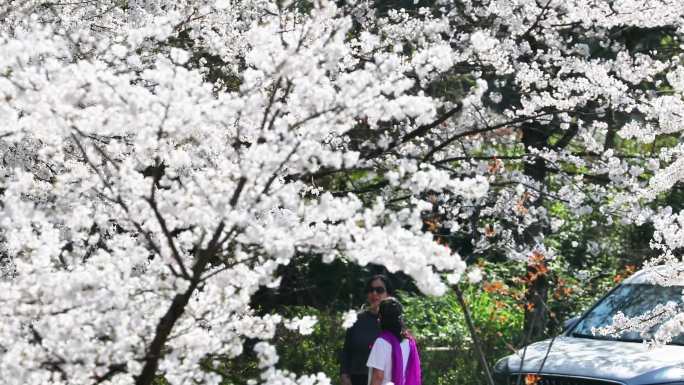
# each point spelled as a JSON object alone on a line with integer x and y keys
{"x": 362, "y": 334}
{"x": 394, "y": 356}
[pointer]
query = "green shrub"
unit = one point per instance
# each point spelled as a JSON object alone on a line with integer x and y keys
{"x": 438, "y": 325}
{"x": 314, "y": 353}
{"x": 447, "y": 350}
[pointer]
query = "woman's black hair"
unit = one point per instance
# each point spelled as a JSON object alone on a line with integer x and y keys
{"x": 392, "y": 317}
{"x": 385, "y": 281}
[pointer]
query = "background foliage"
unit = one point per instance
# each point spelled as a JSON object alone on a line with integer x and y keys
{"x": 438, "y": 323}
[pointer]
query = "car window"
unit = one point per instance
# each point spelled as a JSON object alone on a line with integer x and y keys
{"x": 632, "y": 300}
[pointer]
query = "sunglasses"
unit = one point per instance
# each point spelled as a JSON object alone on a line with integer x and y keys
{"x": 376, "y": 289}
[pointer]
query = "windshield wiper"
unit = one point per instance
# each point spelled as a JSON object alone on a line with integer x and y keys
{"x": 589, "y": 336}
{"x": 606, "y": 338}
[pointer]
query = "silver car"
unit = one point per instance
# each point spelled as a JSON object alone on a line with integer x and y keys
{"x": 580, "y": 357}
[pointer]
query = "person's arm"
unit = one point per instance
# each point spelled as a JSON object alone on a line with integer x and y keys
{"x": 377, "y": 360}
{"x": 377, "y": 376}
{"x": 345, "y": 378}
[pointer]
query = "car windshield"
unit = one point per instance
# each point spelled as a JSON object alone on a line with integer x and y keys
{"x": 632, "y": 300}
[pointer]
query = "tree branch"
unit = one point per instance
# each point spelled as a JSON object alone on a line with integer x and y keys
{"x": 152, "y": 201}
{"x": 422, "y": 130}
{"x": 450, "y": 140}
{"x": 473, "y": 332}
{"x": 175, "y": 311}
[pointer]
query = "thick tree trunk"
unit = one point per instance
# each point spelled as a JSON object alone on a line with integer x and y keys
{"x": 536, "y": 318}
{"x": 176, "y": 310}
{"x": 161, "y": 335}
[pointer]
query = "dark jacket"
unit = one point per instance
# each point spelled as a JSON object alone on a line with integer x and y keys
{"x": 357, "y": 344}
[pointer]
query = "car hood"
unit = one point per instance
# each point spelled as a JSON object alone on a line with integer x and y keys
{"x": 628, "y": 362}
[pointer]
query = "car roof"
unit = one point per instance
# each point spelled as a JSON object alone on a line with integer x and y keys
{"x": 667, "y": 275}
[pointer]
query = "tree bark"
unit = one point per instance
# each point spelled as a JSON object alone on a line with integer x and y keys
{"x": 175, "y": 311}
{"x": 534, "y": 136}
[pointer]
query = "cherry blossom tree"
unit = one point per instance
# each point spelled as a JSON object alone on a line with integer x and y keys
{"x": 151, "y": 204}
{"x": 162, "y": 160}
{"x": 565, "y": 107}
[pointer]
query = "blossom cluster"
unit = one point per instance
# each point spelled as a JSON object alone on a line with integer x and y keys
{"x": 161, "y": 161}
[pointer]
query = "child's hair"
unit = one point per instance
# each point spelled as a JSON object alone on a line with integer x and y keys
{"x": 392, "y": 317}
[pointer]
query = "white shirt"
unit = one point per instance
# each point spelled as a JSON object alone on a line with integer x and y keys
{"x": 381, "y": 358}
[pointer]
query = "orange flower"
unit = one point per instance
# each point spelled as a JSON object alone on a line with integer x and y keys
{"x": 532, "y": 379}
{"x": 536, "y": 257}
{"x": 520, "y": 208}
{"x": 495, "y": 165}
{"x": 432, "y": 225}
{"x": 496, "y": 287}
